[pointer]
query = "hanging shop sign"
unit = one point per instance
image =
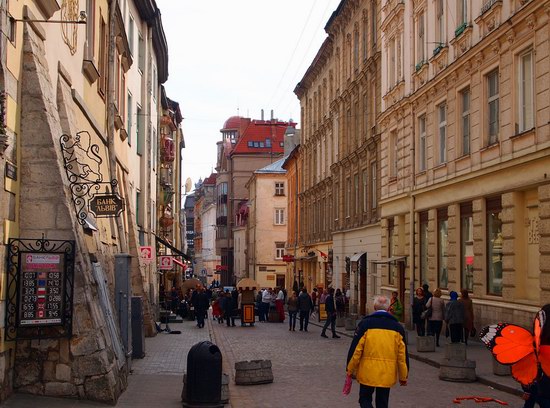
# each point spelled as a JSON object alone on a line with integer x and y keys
{"x": 40, "y": 289}
{"x": 106, "y": 205}
{"x": 90, "y": 193}
{"x": 166, "y": 262}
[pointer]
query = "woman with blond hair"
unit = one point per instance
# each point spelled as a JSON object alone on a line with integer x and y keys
{"x": 435, "y": 322}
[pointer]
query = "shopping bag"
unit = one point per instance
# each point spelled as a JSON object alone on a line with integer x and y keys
{"x": 347, "y": 385}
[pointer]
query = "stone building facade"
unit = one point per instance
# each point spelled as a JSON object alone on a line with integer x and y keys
{"x": 340, "y": 153}
{"x": 465, "y": 151}
{"x": 72, "y": 83}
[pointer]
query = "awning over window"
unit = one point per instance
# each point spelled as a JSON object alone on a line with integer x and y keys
{"x": 306, "y": 258}
{"x": 392, "y": 260}
{"x": 355, "y": 257}
{"x": 175, "y": 251}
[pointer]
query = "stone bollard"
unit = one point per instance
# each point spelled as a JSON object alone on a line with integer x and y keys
{"x": 253, "y": 372}
{"x": 349, "y": 323}
{"x": 425, "y": 344}
{"x": 455, "y": 366}
{"x": 501, "y": 369}
{"x": 340, "y": 322}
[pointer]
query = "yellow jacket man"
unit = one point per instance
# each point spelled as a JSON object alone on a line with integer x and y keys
{"x": 378, "y": 355}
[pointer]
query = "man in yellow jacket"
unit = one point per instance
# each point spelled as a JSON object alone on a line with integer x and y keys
{"x": 378, "y": 355}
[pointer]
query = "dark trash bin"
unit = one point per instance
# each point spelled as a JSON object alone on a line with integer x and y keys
{"x": 203, "y": 386}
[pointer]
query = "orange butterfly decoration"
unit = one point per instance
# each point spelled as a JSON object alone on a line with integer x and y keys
{"x": 526, "y": 352}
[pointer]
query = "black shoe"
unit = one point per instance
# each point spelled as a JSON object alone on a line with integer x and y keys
{"x": 301, "y": 329}
{"x": 324, "y": 335}
{"x": 335, "y": 336}
{"x": 305, "y": 329}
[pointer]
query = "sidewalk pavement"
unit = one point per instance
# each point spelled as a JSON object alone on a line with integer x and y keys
{"x": 475, "y": 351}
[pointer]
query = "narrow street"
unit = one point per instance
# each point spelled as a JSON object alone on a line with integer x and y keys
{"x": 308, "y": 372}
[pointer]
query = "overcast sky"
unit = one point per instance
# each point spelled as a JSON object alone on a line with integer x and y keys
{"x": 236, "y": 57}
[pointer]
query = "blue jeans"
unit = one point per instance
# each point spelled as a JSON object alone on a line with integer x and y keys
{"x": 292, "y": 319}
{"x": 331, "y": 319}
{"x": 365, "y": 396}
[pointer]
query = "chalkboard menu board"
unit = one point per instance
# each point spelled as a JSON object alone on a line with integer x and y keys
{"x": 41, "y": 289}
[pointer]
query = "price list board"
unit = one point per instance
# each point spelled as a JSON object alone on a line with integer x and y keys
{"x": 41, "y": 289}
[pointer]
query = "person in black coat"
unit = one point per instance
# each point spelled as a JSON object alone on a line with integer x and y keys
{"x": 201, "y": 304}
{"x": 331, "y": 315}
{"x": 229, "y": 307}
{"x": 305, "y": 306}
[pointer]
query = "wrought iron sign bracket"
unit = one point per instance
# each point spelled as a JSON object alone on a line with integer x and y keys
{"x": 85, "y": 178}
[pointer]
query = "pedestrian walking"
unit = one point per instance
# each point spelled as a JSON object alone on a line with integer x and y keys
{"x": 418, "y": 306}
{"x": 435, "y": 321}
{"x": 468, "y": 306}
{"x": 330, "y": 308}
{"x": 292, "y": 306}
{"x": 200, "y": 303}
{"x": 266, "y": 301}
{"x": 396, "y": 307}
{"x": 340, "y": 302}
{"x": 279, "y": 304}
{"x": 229, "y": 307}
{"x": 378, "y": 355}
{"x": 305, "y": 305}
{"x": 454, "y": 317}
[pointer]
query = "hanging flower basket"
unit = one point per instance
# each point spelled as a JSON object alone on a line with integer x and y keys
{"x": 166, "y": 221}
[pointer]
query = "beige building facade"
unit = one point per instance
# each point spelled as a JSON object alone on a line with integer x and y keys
{"x": 465, "y": 126}
{"x": 340, "y": 152}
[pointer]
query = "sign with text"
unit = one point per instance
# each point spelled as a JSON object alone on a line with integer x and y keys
{"x": 166, "y": 262}
{"x": 146, "y": 253}
{"x": 41, "y": 289}
{"x": 106, "y": 205}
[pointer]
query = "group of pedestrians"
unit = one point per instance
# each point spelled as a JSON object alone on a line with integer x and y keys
{"x": 271, "y": 300}
{"x": 429, "y": 312}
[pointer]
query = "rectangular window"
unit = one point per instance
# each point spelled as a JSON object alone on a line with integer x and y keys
{"x": 356, "y": 50}
{"x": 131, "y": 29}
{"x": 467, "y": 247}
{"x": 492, "y": 107}
{"x": 391, "y": 62}
{"x": 440, "y": 22}
{"x": 348, "y": 197}
{"x": 129, "y": 118}
{"x": 465, "y": 120}
{"x": 393, "y": 154}
{"x": 422, "y": 143}
{"x": 11, "y": 29}
{"x": 141, "y": 53}
{"x": 139, "y": 131}
{"x": 442, "y": 248}
{"x": 373, "y": 23}
{"x": 102, "y": 83}
{"x": 356, "y": 193}
{"x": 267, "y": 142}
{"x": 494, "y": 246}
{"x": 279, "y": 189}
{"x": 525, "y": 94}
{"x": 462, "y": 12}
{"x": 365, "y": 179}
{"x": 336, "y": 201}
{"x": 442, "y": 132}
{"x": 364, "y": 35}
{"x": 90, "y": 28}
{"x": 279, "y": 216}
{"x": 423, "y": 278}
{"x": 154, "y": 142}
{"x": 279, "y": 250}
{"x": 421, "y": 39}
{"x": 138, "y": 208}
{"x": 154, "y": 82}
{"x": 374, "y": 186}
{"x": 391, "y": 268}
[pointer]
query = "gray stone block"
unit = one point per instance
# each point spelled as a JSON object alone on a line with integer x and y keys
{"x": 455, "y": 351}
{"x": 501, "y": 369}
{"x": 457, "y": 371}
{"x": 425, "y": 344}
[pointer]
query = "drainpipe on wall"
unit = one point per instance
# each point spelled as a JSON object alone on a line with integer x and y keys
{"x": 412, "y": 218}
{"x": 111, "y": 116}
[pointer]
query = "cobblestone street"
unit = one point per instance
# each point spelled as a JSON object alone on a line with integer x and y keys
{"x": 308, "y": 372}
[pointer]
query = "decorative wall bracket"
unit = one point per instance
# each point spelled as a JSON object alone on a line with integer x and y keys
{"x": 85, "y": 178}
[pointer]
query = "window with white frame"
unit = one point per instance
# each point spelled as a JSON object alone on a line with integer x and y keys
{"x": 129, "y": 110}
{"x": 465, "y": 120}
{"x": 492, "y": 106}
{"x": 131, "y": 29}
{"x": 279, "y": 250}
{"x": 440, "y": 23}
{"x": 374, "y": 185}
{"x": 348, "y": 197}
{"x": 279, "y": 188}
{"x": 141, "y": 53}
{"x": 422, "y": 143}
{"x": 393, "y": 154}
{"x": 279, "y": 216}
{"x": 442, "y": 132}
{"x": 420, "y": 39}
{"x": 90, "y": 28}
{"x": 462, "y": 12}
{"x": 525, "y": 92}
{"x": 365, "y": 180}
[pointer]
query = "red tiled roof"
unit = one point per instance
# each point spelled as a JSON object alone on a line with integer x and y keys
{"x": 210, "y": 179}
{"x": 259, "y": 131}
{"x": 234, "y": 122}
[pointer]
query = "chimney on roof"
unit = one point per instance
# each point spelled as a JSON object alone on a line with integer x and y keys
{"x": 272, "y": 115}
{"x": 262, "y": 114}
